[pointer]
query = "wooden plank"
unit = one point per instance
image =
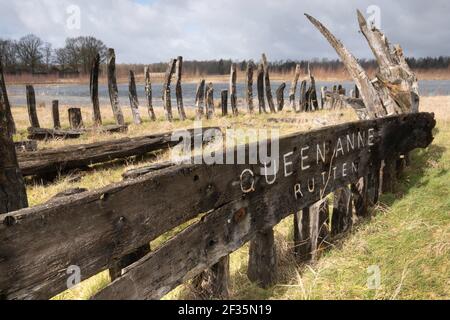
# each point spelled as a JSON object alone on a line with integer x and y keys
{"x": 6, "y": 105}
{"x": 109, "y": 225}
{"x": 55, "y": 115}
{"x": 31, "y": 105}
{"x": 149, "y": 95}
{"x": 80, "y": 156}
{"x": 262, "y": 262}
{"x": 112, "y": 88}
{"x": 178, "y": 89}
{"x": 93, "y": 89}
{"x": 139, "y": 172}
{"x": 134, "y": 102}
{"x": 46, "y": 134}
{"x": 250, "y": 106}
{"x": 167, "y": 100}
{"x": 267, "y": 84}
{"x": 75, "y": 118}
{"x": 260, "y": 88}
{"x": 233, "y": 94}
{"x": 26, "y": 145}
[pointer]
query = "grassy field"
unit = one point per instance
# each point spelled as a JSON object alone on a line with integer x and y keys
{"x": 408, "y": 239}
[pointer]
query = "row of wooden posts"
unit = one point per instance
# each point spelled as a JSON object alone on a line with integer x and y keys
{"x": 204, "y": 100}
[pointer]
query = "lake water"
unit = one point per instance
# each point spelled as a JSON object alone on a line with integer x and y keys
{"x": 78, "y": 95}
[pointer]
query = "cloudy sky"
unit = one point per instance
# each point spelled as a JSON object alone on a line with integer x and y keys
{"x": 146, "y": 31}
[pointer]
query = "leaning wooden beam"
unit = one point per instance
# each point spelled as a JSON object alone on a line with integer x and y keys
{"x": 178, "y": 90}
{"x": 134, "y": 102}
{"x": 31, "y": 104}
{"x": 250, "y": 106}
{"x": 40, "y": 243}
{"x": 112, "y": 88}
{"x": 48, "y": 134}
{"x": 148, "y": 93}
{"x": 280, "y": 96}
{"x": 11, "y": 128}
{"x": 80, "y": 156}
{"x": 267, "y": 84}
{"x": 167, "y": 100}
{"x": 293, "y": 89}
{"x": 93, "y": 88}
{"x": 233, "y": 94}
{"x": 55, "y": 115}
{"x": 260, "y": 88}
{"x": 262, "y": 263}
{"x": 13, "y": 194}
{"x": 200, "y": 99}
{"x": 75, "y": 118}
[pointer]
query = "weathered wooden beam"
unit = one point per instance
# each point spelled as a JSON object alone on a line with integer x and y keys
{"x": 313, "y": 102}
{"x": 293, "y": 89}
{"x": 303, "y": 98}
{"x": 200, "y": 99}
{"x": 178, "y": 89}
{"x": 112, "y": 88}
{"x": 280, "y": 96}
{"x": 224, "y": 102}
{"x": 260, "y": 88}
{"x": 26, "y": 146}
{"x": 342, "y": 216}
{"x": 267, "y": 84}
{"x": 209, "y": 98}
{"x": 250, "y": 106}
{"x": 149, "y": 94}
{"x": 93, "y": 89}
{"x": 166, "y": 97}
{"x": 233, "y": 94}
{"x": 110, "y": 226}
{"x": 55, "y": 115}
{"x": 75, "y": 118}
{"x": 360, "y": 197}
{"x": 139, "y": 172}
{"x": 47, "y": 134}
{"x": 13, "y": 194}
{"x": 134, "y": 102}
{"x": 31, "y": 104}
{"x": 11, "y": 128}
{"x": 80, "y": 156}
{"x": 213, "y": 283}
{"x": 262, "y": 262}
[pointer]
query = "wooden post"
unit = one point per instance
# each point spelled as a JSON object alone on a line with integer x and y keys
{"x": 31, "y": 103}
{"x": 199, "y": 99}
{"x": 373, "y": 184}
{"x": 322, "y": 97}
{"x": 324, "y": 225}
{"x": 341, "y": 220}
{"x": 11, "y": 128}
{"x": 149, "y": 94}
{"x": 209, "y": 98}
{"x": 357, "y": 95}
{"x": 55, "y": 115}
{"x": 112, "y": 88}
{"x": 262, "y": 264}
{"x": 93, "y": 88}
{"x": 178, "y": 89}
{"x": 280, "y": 96}
{"x": 294, "y": 87}
{"x": 166, "y": 89}
{"x": 13, "y": 194}
{"x": 303, "y": 101}
{"x": 314, "y": 104}
{"x": 75, "y": 118}
{"x": 250, "y": 106}
{"x": 388, "y": 175}
{"x": 214, "y": 282}
{"x": 224, "y": 102}
{"x": 127, "y": 260}
{"x": 260, "y": 88}
{"x": 267, "y": 84}
{"x": 360, "y": 199}
{"x": 233, "y": 97}
{"x": 134, "y": 102}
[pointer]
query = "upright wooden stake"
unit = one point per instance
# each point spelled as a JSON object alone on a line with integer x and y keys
{"x": 214, "y": 282}
{"x": 250, "y": 106}
{"x": 209, "y": 101}
{"x": 260, "y": 88}
{"x": 262, "y": 264}
{"x": 388, "y": 175}
{"x": 93, "y": 88}
{"x": 360, "y": 199}
{"x": 11, "y": 128}
{"x": 13, "y": 194}
{"x": 224, "y": 102}
{"x": 309, "y": 226}
{"x": 267, "y": 84}
{"x": 75, "y": 118}
{"x": 303, "y": 98}
{"x": 314, "y": 104}
{"x": 134, "y": 102}
{"x": 199, "y": 99}
{"x": 178, "y": 89}
{"x": 322, "y": 97}
{"x": 342, "y": 211}
{"x": 149, "y": 94}
{"x": 233, "y": 97}
{"x": 294, "y": 87}
{"x": 324, "y": 225}
{"x": 55, "y": 115}
{"x": 112, "y": 88}
{"x": 166, "y": 89}
{"x": 280, "y": 96}
{"x": 31, "y": 103}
